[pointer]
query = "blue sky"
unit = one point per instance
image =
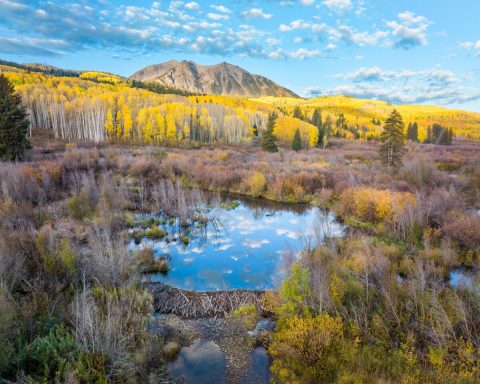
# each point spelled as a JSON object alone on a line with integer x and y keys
{"x": 403, "y": 51}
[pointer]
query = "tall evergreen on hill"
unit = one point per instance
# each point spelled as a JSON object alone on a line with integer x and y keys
{"x": 268, "y": 143}
{"x": 317, "y": 121}
{"x": 392, "y": 140}
{"x": 13, "y": 123}
{"x": 412, "y": 132}
{"x": 297, "y": 141}
{"x": 297, "y": 113}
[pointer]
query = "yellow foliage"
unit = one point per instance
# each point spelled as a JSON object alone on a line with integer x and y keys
{"x": 285, "y": 128}
{"x": 101, "y": 77}
{"x": 360, "y": 112}
{"x": 257, "y": 183}
{"x": 307, "y": 350}
{"x": 374, "y": 205}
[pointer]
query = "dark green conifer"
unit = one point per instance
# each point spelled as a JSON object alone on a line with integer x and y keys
{"x": 297, "y": 141}
{"x": 392, "y": 140}
{"x": 13, "y": 123}
{"x": 269, "y": 139}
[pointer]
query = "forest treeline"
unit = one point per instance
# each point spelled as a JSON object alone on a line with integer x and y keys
{"x": 102, "y": 107}
{"x": 112, "y": 111}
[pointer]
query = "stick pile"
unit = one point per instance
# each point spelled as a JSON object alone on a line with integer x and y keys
{"x": 192, "y": 304}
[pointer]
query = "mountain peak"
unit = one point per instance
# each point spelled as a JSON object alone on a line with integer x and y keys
{"x": 220, "y": 79}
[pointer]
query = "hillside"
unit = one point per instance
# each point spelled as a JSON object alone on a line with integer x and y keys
{"x": 220, "y": 79}
{"x": 362, "y": 112}
{"x": 98, "y": 106}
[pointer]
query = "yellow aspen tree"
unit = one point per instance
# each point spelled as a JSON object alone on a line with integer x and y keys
{"x": 159, "y": 128}
{"x": 186, "y": 131}
{"x": 118, "y": 125}
{"x": 109, "y": 124}
{"x": 148, "y": 132}
{"x": 127, "y": 123}
{"x": 171, "y": 128}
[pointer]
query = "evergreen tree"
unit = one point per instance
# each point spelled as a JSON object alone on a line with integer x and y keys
{"x": 341, "y": 125}
{"x": 318, "y": 122}
{"x": 255, "y": 129}
{"x": 327, "y": 130}
{"x": 268, "y": 143}
{"x": 297, "y": 113}
{"x": 317, "y": 118}
{"x": 412, "y": 132}
{"x": 415, "y": 132}
{"x": 13, "y": 123}
{"x": 393, "y": 140}
{"x": 297, "y": 141}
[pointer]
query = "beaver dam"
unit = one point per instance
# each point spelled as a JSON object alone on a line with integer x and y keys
{"x": 192, "y": 304}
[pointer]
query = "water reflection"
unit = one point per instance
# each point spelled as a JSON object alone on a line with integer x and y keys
{"x": 260, "y": 368}
{"x": 201, "y": 363}
{"x": 464, "y": 278}
{"x": 241, "y": 248}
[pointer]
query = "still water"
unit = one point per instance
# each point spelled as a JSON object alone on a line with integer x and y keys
{"x": 241, "y": 248}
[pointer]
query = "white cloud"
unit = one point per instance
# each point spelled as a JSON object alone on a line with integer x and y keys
{"x": 434, "y": 85}
{"x": 409, "y": 31}
{"x": 217, "y": 16}
{"x": 192, "y": 5}
{"x": 472, "y": 45}
{"x": 255, "y": 243}
{"x": 221, "y": 8}
{"x": 338, "y": 5}
{"x": 307, "y": 2}
{"x": 351, "y": 36}
{"x": 301, "y": 53}
{"x": 296, "y": 24}
{"x": 256, "y": 13}
{"x": 467, "y": 44}
{"x": 272, "y": 42}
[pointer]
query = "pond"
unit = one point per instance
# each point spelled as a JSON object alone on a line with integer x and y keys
{"x": 240, "y": 247}
{"x": 204, "y": 363}
{"x": 464, "y": 278}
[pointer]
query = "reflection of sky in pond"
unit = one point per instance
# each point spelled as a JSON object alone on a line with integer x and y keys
{"x": 204, "y": 363}
{"x": 463, "y": 278}
{"x": 201, "y": 363}
{"x": 242, "y": 248}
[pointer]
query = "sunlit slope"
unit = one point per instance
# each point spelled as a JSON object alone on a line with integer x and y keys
{"x": 99, "y": 107}
{"x": 362, "y": 112}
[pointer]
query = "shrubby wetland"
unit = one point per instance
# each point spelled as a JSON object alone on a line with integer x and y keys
{"x": 84, "y": 228}
{"x": 179, "y": 238}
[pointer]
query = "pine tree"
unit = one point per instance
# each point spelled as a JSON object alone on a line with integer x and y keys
{"x": 297, "y": 113}
{"x": 412, "y": 132}
{"x": 318, "y": 122}
{"x": 393, "y": 140}
{"x": 255, "y": 129}
{"x": 415, "y": 132}
{"x": 297, "y": 141}
{"x": 13, "y": 123}
{"x": 268, "y": 143}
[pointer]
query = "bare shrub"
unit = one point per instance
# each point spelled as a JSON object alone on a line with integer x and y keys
{"x": 174, "y": 200}
{"x": 108, "y": 263}
{"x": 112, "y": 323}
{"x": 465, "y": 230}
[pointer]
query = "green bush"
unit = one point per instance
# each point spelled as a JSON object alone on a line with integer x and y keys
{"x": 51, "y": 356}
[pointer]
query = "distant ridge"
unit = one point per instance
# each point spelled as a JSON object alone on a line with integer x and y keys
{"x": 219, "y": 79}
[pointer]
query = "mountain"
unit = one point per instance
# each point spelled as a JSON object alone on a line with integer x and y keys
{"x": 220, "y": 79}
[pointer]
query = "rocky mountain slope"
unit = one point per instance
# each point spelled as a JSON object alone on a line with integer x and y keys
{"x": 220, "y": 79}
